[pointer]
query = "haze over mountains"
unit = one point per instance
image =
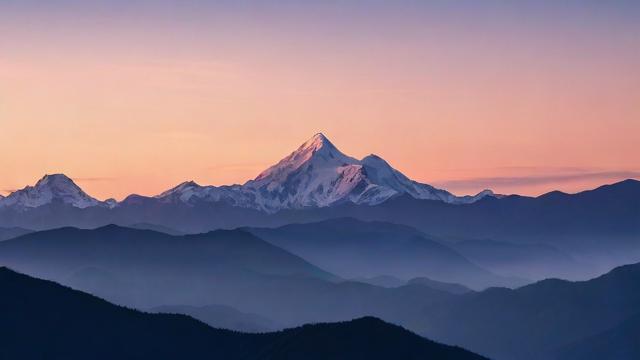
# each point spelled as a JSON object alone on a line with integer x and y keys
{"x": 68, "y": 324}
{"x": 146, "y": 269}
{"x": 352, "y": 248}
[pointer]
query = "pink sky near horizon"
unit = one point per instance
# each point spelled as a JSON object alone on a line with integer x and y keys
{"x": 140, "y": 103}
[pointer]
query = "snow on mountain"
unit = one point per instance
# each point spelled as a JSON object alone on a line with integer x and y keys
{"x": 50, "y": 188}
{"x": 317, "y": 174}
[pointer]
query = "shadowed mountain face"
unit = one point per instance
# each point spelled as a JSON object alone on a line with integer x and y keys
{"x": 381, "y": 280}
{"x": 620, "y": 342}
{"x": 13, "y": 232}
{"x": 222, "y": 317}
{"x": 33, "y": 311}
{"x": 146, "y": 269}
{"x": 113, "y": 247}
{"x": 442, "y": 286}
{"x": 135, "y": 266}
{"x": 538, "y": 320}
{"x": 352, "y": 248}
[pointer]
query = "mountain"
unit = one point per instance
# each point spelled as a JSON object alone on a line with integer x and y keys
{"x": 12, "y": 232}
{"x": 439, "y": 285}
{"x": 155, "y": 227}
{"x": 362, "y": 339}
{"x": 531, "y": 261}
{"x": 49, "y": 189}
{"x": 621, "y": 342}
{"x": 599, "y": 227}
{"x": 146, "y": 269}
{"x": 134, "y": 267}
{"x": 537, "y": 321}
{"x": 317, "y": 174}
{"x": 42, "y": 319}
{"x": 386, "y": 281}
{"x": 222, "y": 317}
{"x": 352, "y": 248}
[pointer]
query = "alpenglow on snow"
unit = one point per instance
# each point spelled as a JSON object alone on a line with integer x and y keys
{"x": 317, "y": 174}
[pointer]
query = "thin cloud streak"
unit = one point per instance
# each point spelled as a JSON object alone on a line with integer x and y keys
{"x": 515, "y": 181}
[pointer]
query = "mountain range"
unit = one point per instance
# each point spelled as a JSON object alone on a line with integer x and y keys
{"x": 42, "y": 319}
{"x": 317, "y": 174}
{"x": 550, "y": 319}
{"x": 320, "y": 237}
{"x": 147, "y": 269}
{"x": 574, "y": 236}
{"x": 353, "y": 248}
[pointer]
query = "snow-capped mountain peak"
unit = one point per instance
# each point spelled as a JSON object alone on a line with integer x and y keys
{"x": 316, "y": 174}
{"x": 51, "y": 188}
{"x": 182, "y": 192}
{"x": 317, "y": 151}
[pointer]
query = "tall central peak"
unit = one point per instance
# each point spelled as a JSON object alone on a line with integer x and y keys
{"x": 317, "y": 142}
{"x": 318, "y": 149}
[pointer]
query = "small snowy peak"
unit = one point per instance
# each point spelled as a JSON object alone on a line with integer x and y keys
{"x": 381, "y": 173}
{"x": 183, "y": 192}
{"x": 468, "y": 199}
{"x": 485, "y": 192}
{"x": 111, "y": 203}
{"x": 51, "y": 188}
{"x": 482, "y": 194}
{"x": 181, "y": 188}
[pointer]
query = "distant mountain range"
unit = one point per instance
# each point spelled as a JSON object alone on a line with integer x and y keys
{"x": 42, "y": 319}
{"x": 317, "y": 174}
{"x": 318, "y": 182}
{"x": 575, "y": 236}
{"x": 147, "y": 269}
{"x": 353, "y": 248}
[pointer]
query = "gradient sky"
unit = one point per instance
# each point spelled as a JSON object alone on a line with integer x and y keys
{"x": 137, "y": 96}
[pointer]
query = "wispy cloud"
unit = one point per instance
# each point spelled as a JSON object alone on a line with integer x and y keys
{"x": 515, "y": 181}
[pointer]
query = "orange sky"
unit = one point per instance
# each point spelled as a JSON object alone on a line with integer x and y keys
{"x": 138, "y": 104}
